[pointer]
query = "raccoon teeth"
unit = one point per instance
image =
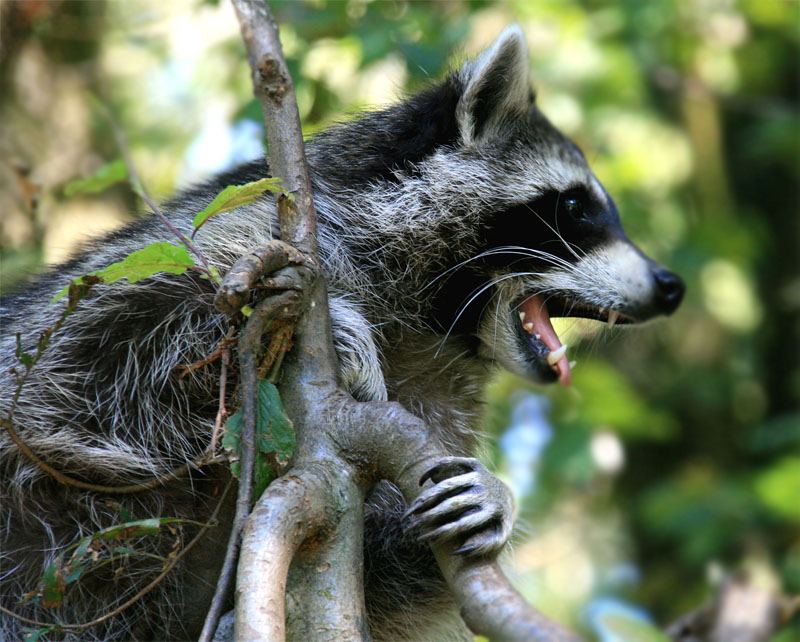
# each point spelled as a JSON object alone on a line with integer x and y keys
{"x": 522, "y": 318}
{"x": 528, "y": 327}
{"x": 613, "y": 315}
{"x": 554, "y": 357}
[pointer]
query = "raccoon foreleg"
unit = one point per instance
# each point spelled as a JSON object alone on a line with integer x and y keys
{"x": 468, "y": 508}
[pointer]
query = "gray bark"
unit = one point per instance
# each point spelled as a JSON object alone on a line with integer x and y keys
{"x": 311, "y": 518}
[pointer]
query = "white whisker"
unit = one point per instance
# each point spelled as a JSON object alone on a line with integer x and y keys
{"x": 555, "y": 231}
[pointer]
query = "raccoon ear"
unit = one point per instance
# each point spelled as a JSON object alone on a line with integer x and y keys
{"x": 496, "y": 86}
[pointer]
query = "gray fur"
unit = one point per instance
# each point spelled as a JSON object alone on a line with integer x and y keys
{"x": 402, "y": 227}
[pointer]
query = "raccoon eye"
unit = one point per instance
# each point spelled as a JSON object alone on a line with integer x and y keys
{"x": 574, "y": 207}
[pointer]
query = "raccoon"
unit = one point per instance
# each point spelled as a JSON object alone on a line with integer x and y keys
{"x": 452, "y": 227}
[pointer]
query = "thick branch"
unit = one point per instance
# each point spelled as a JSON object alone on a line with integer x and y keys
{"x": 506, "y": 616}
{"x": 277, "y": 526}
{"x": 376, "y": 440}
{"x": 489, "y": 604}
{"x": 308, "y": 373}
{"x": 325, "y": 587}
{"x": 274, "y": 89}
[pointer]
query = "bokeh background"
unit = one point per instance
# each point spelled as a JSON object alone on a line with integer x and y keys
{"x": 674, "y": 458}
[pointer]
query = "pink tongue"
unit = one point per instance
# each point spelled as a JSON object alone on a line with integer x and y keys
{"x": 536, "y": 313}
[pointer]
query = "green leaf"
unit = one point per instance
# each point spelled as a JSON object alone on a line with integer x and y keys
{"x": 152, "y": 259}
{"x": 231, "y": 440}
{"x": 133, "y": 529}
{"x": 124, "y": 550}
{"x": 34, "y": 635}
{"x": 264, "y": 474}
{"x": 100, "y": 179}
{"x": 274, "y": 436}
{"x": 263, "y": 471}
{"x": 84, "y": 556}
{"x": 235, "y": 196}
{"x": 779, "y": 488}
{"x": 630, "y": 629}
{"x": 608, "y": 399}
{"x": 124, "y": 514}
{"x": 23, "y": 357}
{"x": 53, "y": 584}
{"x": 274, "y": 429}
{"x": 77, "y": 563}
{"x": 215, "y": 275}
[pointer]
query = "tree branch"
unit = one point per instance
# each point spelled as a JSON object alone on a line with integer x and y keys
{"x": 310, "y": 376}
{"x": 342, "y": 446}
{"x": 274, "y": 89}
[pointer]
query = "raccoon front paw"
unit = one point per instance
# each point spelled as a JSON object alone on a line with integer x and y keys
{"x": 468, "y": 508}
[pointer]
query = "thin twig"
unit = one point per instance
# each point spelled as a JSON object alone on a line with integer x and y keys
{"x": 138, "y": 186}
{"x": 199, "y": 461}
{"x": 221, "y": 411}
{"x": 249, "y": 348}
{"x": 285, "y": 345}
{"x": 156, "y": 581}
{"x": 76, "y": 293}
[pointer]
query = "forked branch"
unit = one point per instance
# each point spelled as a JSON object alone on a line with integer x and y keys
{"x": 342, "y": 446}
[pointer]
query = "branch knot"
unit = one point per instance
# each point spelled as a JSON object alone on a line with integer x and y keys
{"x": 273, "y": 78}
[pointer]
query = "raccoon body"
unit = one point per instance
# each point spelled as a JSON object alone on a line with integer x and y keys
{"x": 451, "y": 227}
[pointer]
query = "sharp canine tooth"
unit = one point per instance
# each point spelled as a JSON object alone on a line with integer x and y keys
{"x": 554, "y": 356}
{"x": 613, "y": 315}
{"x": 528, "y": 326}
{"x": 522, "y": 317}
{"x": 537, "y": 336}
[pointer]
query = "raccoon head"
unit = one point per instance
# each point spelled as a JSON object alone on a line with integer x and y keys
{"x": 551, "y": 243}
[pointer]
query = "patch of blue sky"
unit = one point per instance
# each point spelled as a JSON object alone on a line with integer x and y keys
{"x": 524, "y": 442}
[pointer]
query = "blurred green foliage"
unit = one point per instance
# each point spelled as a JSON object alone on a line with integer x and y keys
{"x": 689, "y": 114}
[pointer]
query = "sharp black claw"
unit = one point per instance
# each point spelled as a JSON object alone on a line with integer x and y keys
{"x": 428, "y": 474}
{"x": 445, "y": 469}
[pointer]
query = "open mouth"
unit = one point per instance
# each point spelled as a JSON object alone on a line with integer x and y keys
{"x": 535, "y": 312}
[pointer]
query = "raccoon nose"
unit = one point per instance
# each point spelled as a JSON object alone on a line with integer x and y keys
{"x": 669, "y": 290}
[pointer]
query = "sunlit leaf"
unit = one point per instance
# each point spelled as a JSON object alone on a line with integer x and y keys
{"x": 100, "y": 179}
{"x": 235, "y": 196}
{"x": 608, "y": 400}
{"x": 779, "y": 487}
{"x": 152, "y": 259}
